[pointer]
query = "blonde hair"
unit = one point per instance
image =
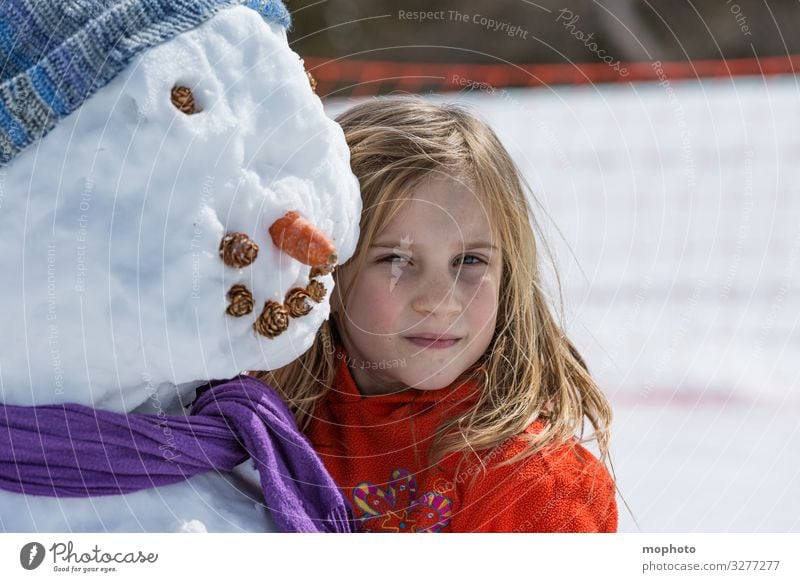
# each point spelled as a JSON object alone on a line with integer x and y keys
{"x": 530, "y": 370}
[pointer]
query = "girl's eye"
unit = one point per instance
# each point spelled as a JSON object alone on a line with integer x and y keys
{"x": 391, "y": 259}
{"x": 478, "y": 260}
{"x": 468, "y": 260}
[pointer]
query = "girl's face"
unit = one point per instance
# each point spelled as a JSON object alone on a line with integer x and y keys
{"x": 433, "y": 272}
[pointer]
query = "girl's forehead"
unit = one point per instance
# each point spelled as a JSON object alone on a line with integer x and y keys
{"x": 439, "y": 207}
{"x": 431, "y": 225}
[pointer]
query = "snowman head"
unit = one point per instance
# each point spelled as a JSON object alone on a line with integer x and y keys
{"x": 158, "y": 169}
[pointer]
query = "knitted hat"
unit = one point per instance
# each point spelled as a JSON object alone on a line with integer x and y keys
{"x": 55, "y": 55}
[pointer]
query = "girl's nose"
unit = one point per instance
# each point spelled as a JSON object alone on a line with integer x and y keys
{"x": 436, "y": 295}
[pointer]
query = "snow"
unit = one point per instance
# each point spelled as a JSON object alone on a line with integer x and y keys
{"x": 674, "y": 215}
{"x": 215, "y": 502}
{"x": 113, "y": 223}
{"x": 113, "y": 290}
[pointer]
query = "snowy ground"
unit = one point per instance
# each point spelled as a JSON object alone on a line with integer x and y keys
{"x": 679, "y": 213}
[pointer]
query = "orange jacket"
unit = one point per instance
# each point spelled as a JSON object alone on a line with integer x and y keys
{"x": 375, "y": 447}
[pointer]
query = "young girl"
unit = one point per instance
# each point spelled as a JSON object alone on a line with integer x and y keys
{"x": 442, "y": 395}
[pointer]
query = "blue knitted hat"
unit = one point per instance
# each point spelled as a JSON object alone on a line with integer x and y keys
{"x": 55, "y": 55}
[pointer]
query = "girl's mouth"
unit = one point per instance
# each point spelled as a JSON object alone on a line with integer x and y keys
{"x": 433, "y": 343}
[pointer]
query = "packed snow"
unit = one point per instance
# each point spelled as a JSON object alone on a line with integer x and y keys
{"x": 112, "y": 224}
{"x": 114, "y": 293}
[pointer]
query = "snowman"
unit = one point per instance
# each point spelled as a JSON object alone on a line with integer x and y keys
{"x": 173, "y": 200}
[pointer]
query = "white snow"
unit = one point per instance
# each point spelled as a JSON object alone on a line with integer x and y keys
{"x": 112, "y": 288}
{"x": 112, "y": 225}
{"x": 681, "y": 205}
{"x": 215, "y": 502}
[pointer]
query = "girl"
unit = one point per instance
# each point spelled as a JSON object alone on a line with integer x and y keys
{"x": 442, "y": 395}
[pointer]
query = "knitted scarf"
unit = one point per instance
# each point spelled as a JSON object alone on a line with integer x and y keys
{"x": 70, "y": 450}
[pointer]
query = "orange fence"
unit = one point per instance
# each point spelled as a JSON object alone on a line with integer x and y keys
{"x": 339, "y": 77}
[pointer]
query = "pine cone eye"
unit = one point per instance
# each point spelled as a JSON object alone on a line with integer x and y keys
{"x": 312, "y": 81}
{"x": 183, "y": 99}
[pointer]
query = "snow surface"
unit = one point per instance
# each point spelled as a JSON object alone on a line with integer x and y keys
{"x": 112, "y": 225}
{"x": 113, "y": 291}
{"x": 679, "y": 215}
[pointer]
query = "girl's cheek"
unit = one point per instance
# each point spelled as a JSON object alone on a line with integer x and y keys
{"x": 473, "y": 277}
{"x": 382, "y": 292}
{"x": 479, "y": 280}
{"x": 390, "y": 282}
{"x": 484, "y": 291}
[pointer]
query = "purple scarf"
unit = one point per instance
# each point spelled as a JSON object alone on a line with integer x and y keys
{"x": 70, "y": 450}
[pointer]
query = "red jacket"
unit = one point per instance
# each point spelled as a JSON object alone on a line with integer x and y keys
{"x": 375, "y": 447}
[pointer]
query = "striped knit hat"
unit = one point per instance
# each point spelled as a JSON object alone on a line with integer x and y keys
{"x": 55, "y": 55}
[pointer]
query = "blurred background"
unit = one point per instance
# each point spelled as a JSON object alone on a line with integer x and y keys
{"x": 662, "y": 142}
{"x": 631, "y": 30}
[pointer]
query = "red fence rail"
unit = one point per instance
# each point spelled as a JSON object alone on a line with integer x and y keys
{"x": 339, "y": 77}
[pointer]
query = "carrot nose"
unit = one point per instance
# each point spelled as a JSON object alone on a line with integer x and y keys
{"x": 302, "y": 241}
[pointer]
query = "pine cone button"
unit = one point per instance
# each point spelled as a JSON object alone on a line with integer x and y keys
{"x": 238, "y": 250}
